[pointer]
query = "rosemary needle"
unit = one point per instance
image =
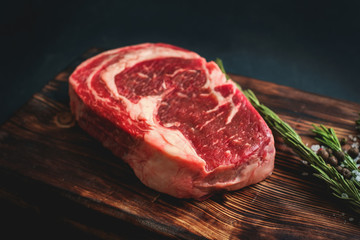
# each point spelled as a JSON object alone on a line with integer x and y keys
{"x": 221, "y": 66}
{"x": 345, "y": 189}
{"x": 348, "y": 190}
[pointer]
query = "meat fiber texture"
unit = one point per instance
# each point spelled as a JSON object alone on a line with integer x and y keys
{"x": 178, "y": 122}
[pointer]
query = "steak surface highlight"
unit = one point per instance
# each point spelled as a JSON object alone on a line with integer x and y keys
{"x": 174, "y": 118}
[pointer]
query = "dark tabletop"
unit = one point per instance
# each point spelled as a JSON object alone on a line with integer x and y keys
{"x": 313, "y": 46}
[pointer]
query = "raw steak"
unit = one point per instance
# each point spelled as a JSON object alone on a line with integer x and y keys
{"x": 174, "y": 118}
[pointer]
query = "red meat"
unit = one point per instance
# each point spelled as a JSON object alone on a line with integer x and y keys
{"x": 174, "y": 118}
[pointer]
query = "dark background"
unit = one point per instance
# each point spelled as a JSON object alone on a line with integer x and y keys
{"x": 313, "y": 46}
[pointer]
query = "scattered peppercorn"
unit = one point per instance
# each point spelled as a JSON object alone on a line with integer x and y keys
{"x": 339, "y": 155}
{"x": 346, "y": 173}
{"x": 329, "y": 151}
{"x": 345, "y": 147}
{"x": 343, "y": 141}
{"x": 323, "y": 153}
{"x": 333, "y": 161}
{"x": 339, "y": 168}
{"x": 358, "y": 161}
{"x": 353, "y": 152}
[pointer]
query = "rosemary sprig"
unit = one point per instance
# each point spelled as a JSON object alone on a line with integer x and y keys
{"x": 327, "y": 136}
{"x": 342, "y": 188}
{"x": 221, "y": 66}
{"x": 290, "y": 137}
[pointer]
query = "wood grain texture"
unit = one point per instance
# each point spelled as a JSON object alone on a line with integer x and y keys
{"x": 50, "y": 165}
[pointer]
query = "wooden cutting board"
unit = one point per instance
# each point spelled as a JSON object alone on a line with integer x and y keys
{"x": 50, "y": 166}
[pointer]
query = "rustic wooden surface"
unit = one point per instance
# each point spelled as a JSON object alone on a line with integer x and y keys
{"x": 55, "y": 177}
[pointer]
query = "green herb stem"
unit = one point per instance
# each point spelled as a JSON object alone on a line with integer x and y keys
{"x": 327, "y": 136}
{"x": 221, "y": 66}
{"x": 345, "y": 189}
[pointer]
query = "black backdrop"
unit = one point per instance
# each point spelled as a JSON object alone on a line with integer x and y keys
{"x": 314, "y": 45}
